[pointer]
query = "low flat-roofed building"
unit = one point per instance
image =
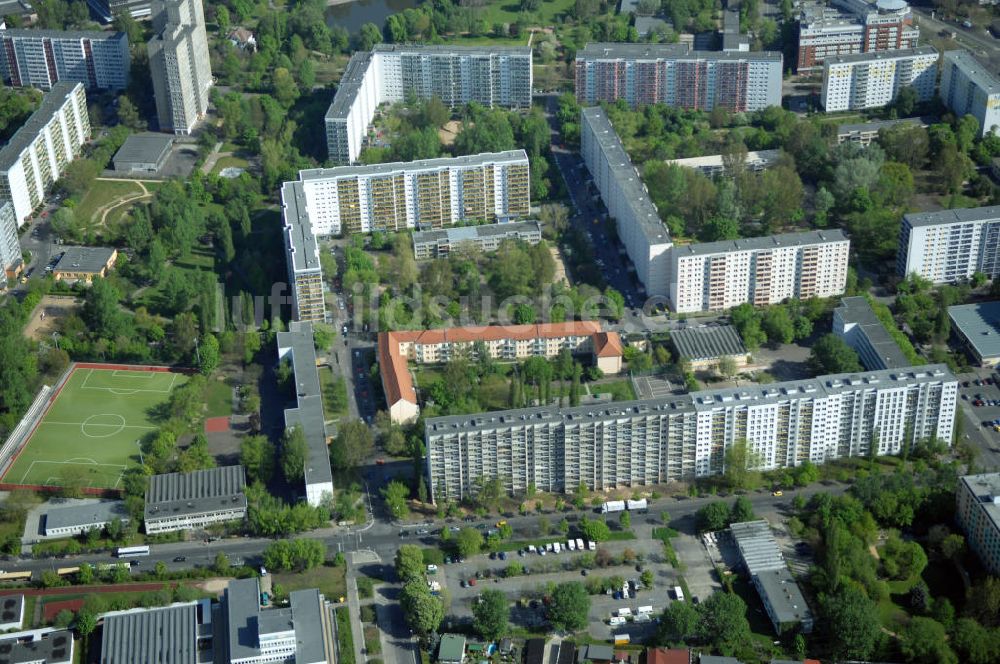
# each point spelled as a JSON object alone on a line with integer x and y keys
{"x": 713, "y": 165}
{"x": 704, "y": 346}
{"x": 977, "y": 327}
{"x": 181, "y": 501}
{"x": 84, "y": 263}
{"x": 37, "y": 646}
{"x": 440, "y": 243}
{"x": 143, "y": 153}
{"x": 864, "y": 133}
{"x": 451, "y": 650}
{"x": 11, "y": 612}
{"x": 855, "y": 322}
{"x": 645, "y": 25}
{"x": 70, "y": 520}
{"x": 168, "y": 634}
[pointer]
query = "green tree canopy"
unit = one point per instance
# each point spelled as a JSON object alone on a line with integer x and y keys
{"x": 569, "y": 607}
{"x": 489, "y": 615}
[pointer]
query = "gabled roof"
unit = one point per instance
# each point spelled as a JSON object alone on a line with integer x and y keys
{"x": 665, "y": 656}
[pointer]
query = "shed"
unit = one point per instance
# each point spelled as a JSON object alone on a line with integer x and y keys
{"x": 451, "y": 649}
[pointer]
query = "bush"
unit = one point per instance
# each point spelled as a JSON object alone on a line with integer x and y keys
{"x": 368, "y": 613}
{"x": 366, "y": 587}
{"x": 344, "y": 636}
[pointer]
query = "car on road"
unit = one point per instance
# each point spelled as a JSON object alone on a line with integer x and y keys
{"x": 777, "y": 492}
{"x": 180, "y": 559}
{"x": 423, "y": 531}
{"x": 432, "y": 569}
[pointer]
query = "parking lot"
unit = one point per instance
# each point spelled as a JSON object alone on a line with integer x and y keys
{"x": 652, "y": 387}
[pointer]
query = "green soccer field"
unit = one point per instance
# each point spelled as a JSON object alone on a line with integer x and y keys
{"x": 90, "y": 435}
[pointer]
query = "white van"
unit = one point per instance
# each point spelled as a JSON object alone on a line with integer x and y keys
{"x": 556, "y": 547}
{"x": 615, "y": 621}
{"x": 645, "y": 609}
{"x": 624, "y": 612}
{"x": 579, "y": 544}
{"x": 571, "y": 545}
{"x": 591, "y": 545}
{"x": 678, "y": 593}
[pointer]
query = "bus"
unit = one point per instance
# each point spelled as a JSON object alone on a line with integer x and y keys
{"x": 132, "y": 551}
{"x": 63, "y": 571}
{"x": 15, "y": 576}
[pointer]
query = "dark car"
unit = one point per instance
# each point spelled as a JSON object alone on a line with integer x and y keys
{"x": 180, "y": 559}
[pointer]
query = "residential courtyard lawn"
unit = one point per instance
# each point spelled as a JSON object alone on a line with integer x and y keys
{"x": 330, "y": 580}
{"x": 101, "y": 194}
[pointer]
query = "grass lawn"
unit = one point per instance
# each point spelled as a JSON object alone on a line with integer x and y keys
{"x": 508, "y": 11}
{"x": 229, "y": 162}
{"x": 620, "y": 390}
{"x": 334, "y": 393}
{"x": 466, "y": 40}
{"x": 219, "y": 399}
{"x": 102, "y": 193}
{"x": 329, "y": 579}
{"x": 90, "y": 434}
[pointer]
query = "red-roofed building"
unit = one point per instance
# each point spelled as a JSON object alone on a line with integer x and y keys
{"x": 668, "y": 656}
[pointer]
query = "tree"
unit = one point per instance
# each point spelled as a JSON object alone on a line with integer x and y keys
{"x": 208, "y": 354}
{"x": 625, "y": 519}
{"x": 86, "y": 622}
{"x": 777, "y": 325}
{"x": 221, "y": 565}
{"x": 409, "y": 563}
{"x": 354, "y": 443}
{"x": 852, "y": 623}
{"x": 468, "y": 542}
{"x": 257, "y": 456}
{"x": 396, "y": 494}
{"x": 595, "y": 530}
{"x": 925, "y": 641}
{"x": 712, "y": 517}
{"x": 831, "y": 355}
{"x": 424, "y": 612}
{"x": 741, "y": 511}
{"x": 680, "y": 622}
{"x": 724, "y": 622}
{"x": 569, "y": 607}
{"x": 726, "y": 366}
{"x": 953, "y": 547}
{"x": 489, "y": 615}
{"x": 294, "y": 450}
{"x": 101, "y": 312}
{"x": 740, "y": 465}
{"x": 369, "y": 36}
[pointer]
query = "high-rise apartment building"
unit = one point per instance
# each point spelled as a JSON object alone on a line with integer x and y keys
{"x": 305, "y": 278}
{"x": 978, "y": 515}
{"x": 10, "y": 248}
{"x": 106, "y": 10}
{"x": 969, "y": 87}
{"x": 873, "y": 80}
{"x": 950, "y": 245}
{"x": 634, "y": 443}
{"x": 847, "y": 27}
{"x": 38, "y": 153}
{"x": 640, "y": 229}
{"x": 496, "y": 76}
{"x": 179, "y": 64}
{"x": 674, "y": 75}
{"x": 424, "y": 194}
{"x": 40, "y": 58}
{"x": 713, "y": 276}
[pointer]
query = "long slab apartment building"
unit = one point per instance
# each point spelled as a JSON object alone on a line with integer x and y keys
{"x": 872, "y": 80}
{"x": 635, "y": 443}
{"x": 708, "y": 276}
{"x": 847, "y": 27}
{"x": 970, "y": 87}
{"x": 42, "y": 58}
{"x": 949, "y": 246}
{"x": 38, "y": 153}
{"x": 497, "y": 76}
{"x": 674, "y": 75}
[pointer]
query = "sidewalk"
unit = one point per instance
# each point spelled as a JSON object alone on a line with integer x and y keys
{"x": 354, "y": 609}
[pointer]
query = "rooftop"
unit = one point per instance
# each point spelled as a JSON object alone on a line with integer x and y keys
{"x": 761, "y": 243}
{"x": 647, "y": 24}
{"x": 70, "y": 516}
{"x": 875, "y": 56}
{"x": 451, "y": 648}
{"x": 11, "y": 609}
{"x": 472, "y": 160}
{"x": 875, "y": 125}
{"x": 242, "y": 605}
{"x": 350, "y": 83}
{"x": 62, "y": 34}
{"x": 717, "y": 659}
{"x": 715, "y": 160}
{"x": 457, "y": 234}
{"x": 980, "y": 325}
{"x": 164, "y": 635}
{"x": 91, "y": 260}
{"x": 957, "y": 216}
{"x": 708, "y": 343}
{"x": 52, "y": 102}
{"x": 39, "y": 646}
{"x": 784, "y": 595}
{"x": 625, "y": 174}
{"x": 623, "y": 51}
{"x": 858, "y": 311}
{"x": 173, "y": 494}
{"x": 298, "y": 228}
{"x": 974, "y": 70}
{"x": 145, "y": 147}
{"x": 986, "y": 488}
{"x": 757, "y": 546}
{"x": 668, "y": 656}
{"x": 732, "y": 40}
{"x": 446, "y": 49}
{"x": 307, "y": 617}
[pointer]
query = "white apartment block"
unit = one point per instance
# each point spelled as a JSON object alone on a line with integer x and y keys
{"x": 846, "y": 27}
{"x": 424, "y": 194}
{"x": 10, "y": 248}
{"x": 873, "y": 80}
{"x": 950, "y": 246}
{"x": 655, "y": 441}
{"x": 455, "y": 74}
{"x": 672, "y": 74}
{"x": 978, "y": 515}
{"x": 305, "y": 277}
{"x": 968, "y": 87}
{"x": 41, "y": 58}
{"x": 720, "y": 275}
{"x": 646, "y": 239}
{"x": 179, "y": 64}
{"x": 38, "y": 153}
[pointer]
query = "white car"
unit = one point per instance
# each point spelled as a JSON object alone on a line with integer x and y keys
{"x": 432, "y": 568}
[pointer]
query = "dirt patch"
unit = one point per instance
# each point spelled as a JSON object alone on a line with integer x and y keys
{"x": 51, "y": 609}
{"x": 48, "y": 313}
{"x": 214, "y": 585}
{"x": 449, "y": 131}
{"x": 560, "y": 272}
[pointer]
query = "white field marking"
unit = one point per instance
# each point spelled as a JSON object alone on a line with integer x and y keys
{"x": 69, "y": 463}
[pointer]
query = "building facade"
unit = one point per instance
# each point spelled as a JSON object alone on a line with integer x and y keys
{"x": 855, "y": 322}
{"x": 424, "y": 194}
{"x": 497, "y": 76}
{"x": 969, "y": 87}
{"x": 305, "y": 276}
{"x": 10, "y": 248}
{"x": 640, "y": 229}
{"x": 873, "y": 80}
{"x": 672, "y": 74}
{"x": 179, "y": 64}
{"x": 106, "y": 10}
{"x": 715, "y": 276}
{"x": 41, "y": 58}
{"x": 848, "y": 27}
{"x": 635, "y": 443}
{"x": 949, "y": 246}
{"x": 38, "y": 153}
{"x": 183, "y": 501}
{"x": 485, "y": 238}
{"x": 978, "y": 515}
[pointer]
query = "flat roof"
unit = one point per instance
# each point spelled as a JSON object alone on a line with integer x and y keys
{"x": 875, "y": 56}
{"x": 52, "y": 102}
{"x": 451, "y": 648}
{"x": 858, "y": 310}
{"x": 47, "y": 645}
{"x": 447, "y": 49}
{"x": 309, "y": 412}
{"x": 298, "y": 228}
{"x": 646, "y": 24}
{"x": 715, "y": 160}
{"x": 466, "y": 233}
{"x": 11, "y": 609}
{"x": 350, "y": 83}
{"x": 732, "y": 39}
{"x": 957, "y": 216}
{"x": 242, "y": 606}
{"x": 784, "y": 596}
{"x": 623, "y": 51}
{"x": 144, "y": 147}
{"x": 974, "y": 70}
{"x": 708, "y": 342}
{"x": 84, "y": 259}
{"x": 174, "y": 494}
{"x": 986, "y": 489}
{"x": 758, "y": 548}
{"x": 804, "y": 238}
{"x": 70, "y": 516}
{"x": 980, "y": 324}
{"x": 876, "y": 125}
{"x": 166, "y": 635}
{"x": 307, "y": 617}
{"x": 627, "y": 177}
{"x": 22, "y": 33}
{"x": 481, "y": 159}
